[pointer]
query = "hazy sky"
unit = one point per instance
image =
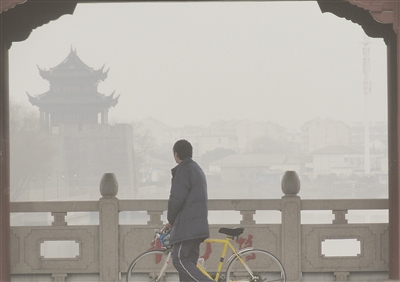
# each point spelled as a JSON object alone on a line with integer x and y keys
{"x": 194, "y": 63}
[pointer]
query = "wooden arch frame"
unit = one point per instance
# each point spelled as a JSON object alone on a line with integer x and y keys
{"x": 378, "y": 18}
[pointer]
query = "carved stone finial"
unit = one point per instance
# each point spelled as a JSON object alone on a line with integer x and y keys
{"x": 290, "y": 183}
{"x": 109, "y": 185}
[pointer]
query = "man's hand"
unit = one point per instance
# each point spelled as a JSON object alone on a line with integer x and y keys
{"x": 166, "y": 227}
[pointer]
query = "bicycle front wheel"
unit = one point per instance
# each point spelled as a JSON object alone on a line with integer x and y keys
{"x": 259, "y": 265}
{"x": 150, "y": 266}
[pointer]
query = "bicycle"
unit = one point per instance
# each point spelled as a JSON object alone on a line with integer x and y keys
{"x": 245, "y": 265}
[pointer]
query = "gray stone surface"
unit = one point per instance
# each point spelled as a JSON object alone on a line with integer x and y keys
{"x": 106, "y": 249}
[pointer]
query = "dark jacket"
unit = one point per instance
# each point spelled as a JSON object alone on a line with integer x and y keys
{"x": 187, "y": 204}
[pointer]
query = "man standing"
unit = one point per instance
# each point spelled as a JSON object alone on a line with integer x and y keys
{"x": 187, "y": 213}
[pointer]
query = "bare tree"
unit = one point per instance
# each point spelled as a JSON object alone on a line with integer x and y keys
{"x": 32, "y": 152}
{"x": 143, "y": 144}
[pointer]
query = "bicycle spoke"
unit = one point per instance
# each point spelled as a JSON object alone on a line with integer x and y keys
{"x": 150, "y": 266}
{"x": 260, "y": 266}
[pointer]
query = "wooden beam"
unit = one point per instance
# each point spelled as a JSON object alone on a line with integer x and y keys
{"x": 174, "y": 1}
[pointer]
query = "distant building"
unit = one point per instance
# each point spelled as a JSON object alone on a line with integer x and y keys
{"x": 203, "y": 139}
{"x": 320, "y": 133}
{"x": 260, "y": 168}
{"x": 233, "y": 135}
{"x": 345, "y": 161}
{"x": 156, "y": 131}
{"x": 77, "y": 115}
{"x": 247, "y": 131}
{"x": 378, "y": 135}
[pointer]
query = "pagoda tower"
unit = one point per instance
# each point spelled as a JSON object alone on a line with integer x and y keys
{"x": 73, "y": 97}
{"x": 87, "y": 146}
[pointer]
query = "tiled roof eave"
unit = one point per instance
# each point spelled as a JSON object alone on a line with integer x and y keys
{"x": 9, "y": 4}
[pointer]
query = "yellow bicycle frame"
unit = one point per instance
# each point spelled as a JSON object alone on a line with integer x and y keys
{"x": 227, "y": 244}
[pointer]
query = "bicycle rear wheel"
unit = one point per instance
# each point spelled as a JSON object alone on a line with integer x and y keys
{"x": 260, "y": 266}
{"x": 150, "y": 266}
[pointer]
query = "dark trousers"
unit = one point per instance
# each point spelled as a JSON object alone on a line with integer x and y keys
{"x": 184, "y": 258}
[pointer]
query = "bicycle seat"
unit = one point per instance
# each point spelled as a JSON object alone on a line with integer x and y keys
{"x": 231, "y": 231}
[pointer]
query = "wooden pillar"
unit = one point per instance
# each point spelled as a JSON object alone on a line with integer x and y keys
{"x": 42, "y": 120}
{"x": 15, "y": 25}
{"x": 47, "y": 122}
{"x": 5, "y": 252}
{"x": 104, "y": 116}
{"x": 388, "y": 12}
{"x": 393, "y": 153}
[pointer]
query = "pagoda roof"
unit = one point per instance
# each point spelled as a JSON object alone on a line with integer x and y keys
{"x": 49, "y": 99}
{"x": 73, "y": 66}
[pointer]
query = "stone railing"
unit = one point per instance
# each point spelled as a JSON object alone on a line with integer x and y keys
{"x": 104, "y": 251}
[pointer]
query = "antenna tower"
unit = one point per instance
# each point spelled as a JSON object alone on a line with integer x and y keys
{"x": 367, "y": 94}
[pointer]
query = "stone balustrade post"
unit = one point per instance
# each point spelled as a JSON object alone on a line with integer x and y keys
{"x": 340, "y": 217}
{"x": 59, "y": 219}
{"x": 247, "y": 217}
{"x": 291, "y": 226}
{"x": 155, "y": 218}
{"x": 108, "y": 228}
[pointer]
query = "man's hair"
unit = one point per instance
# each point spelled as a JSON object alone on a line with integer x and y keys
{"x": 183, "y": 148}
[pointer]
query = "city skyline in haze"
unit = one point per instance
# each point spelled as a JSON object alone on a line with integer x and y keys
{"x": 196, "y": 63}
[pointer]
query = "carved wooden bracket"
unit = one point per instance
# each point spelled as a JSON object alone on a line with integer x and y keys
{"x": 383, "y": 11}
